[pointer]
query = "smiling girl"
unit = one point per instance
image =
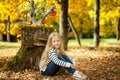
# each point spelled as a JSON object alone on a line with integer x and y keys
{"x": 54, "y": 57}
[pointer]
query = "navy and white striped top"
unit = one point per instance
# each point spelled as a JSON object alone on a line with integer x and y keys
{"x": 53, "y": 56}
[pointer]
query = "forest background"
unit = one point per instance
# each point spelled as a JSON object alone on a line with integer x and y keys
{"x": 81, "y": 13}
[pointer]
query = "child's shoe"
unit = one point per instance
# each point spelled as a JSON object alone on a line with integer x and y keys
{"x": 79, "y": 76}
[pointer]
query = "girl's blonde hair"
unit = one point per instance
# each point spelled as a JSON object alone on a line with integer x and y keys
{"x": 49, "y": 46}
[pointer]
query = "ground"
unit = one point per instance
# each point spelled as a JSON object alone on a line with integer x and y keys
{"x": 97, "y": 64}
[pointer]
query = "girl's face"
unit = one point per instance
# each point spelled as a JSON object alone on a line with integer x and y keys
{"x": 56, "y": 42}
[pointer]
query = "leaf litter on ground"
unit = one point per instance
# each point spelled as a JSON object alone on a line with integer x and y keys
{"x": 97, "y": 64}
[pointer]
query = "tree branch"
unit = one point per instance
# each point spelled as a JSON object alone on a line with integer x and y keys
{"x": 33, "y": 19}
{"x": 45, "y": 14}
{"x": 74, "y": 30}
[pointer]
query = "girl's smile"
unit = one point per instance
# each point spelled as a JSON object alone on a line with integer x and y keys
{"x": 56, "y": 42}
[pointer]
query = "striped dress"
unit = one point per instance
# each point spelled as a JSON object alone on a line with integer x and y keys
{"x": 53, "y": 56}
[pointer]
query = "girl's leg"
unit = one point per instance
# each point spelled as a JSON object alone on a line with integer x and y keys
{"x": 51, "y": 69}
{"x": 76, "y": 74}
{"x": 66, "y": 59}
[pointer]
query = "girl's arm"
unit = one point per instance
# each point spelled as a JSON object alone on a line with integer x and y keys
{"x": 54, "y": 57}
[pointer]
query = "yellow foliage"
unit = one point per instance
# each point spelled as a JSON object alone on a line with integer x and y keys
{"x": 2, "y": 28}
{"x": 102, "y": 30}
{"x": 91, "y": 13}
{"x": 13, "y": 29}
{"x": 90, "y": 3}
{"x": 76, "y": 6}
{"x": 80, "y": 11}
{"x": 102, "y": 21}
{"x": 50, "y": 20}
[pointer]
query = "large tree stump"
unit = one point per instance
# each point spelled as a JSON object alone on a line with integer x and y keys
{"x": 32, "y": 45}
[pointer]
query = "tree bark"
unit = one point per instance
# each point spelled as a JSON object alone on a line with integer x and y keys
{"x": 32, "y": 46}
{"x": 118, "y": 30}
{"x": 74, "y": 30}
{"x": 63, "y": 29}
{"x": 8, "y": 29}
{"x": 96, "y": 23}
{"x": 1, "y": 36}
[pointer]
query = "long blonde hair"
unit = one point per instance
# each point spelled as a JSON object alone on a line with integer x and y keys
{"x": 49, "y": 46}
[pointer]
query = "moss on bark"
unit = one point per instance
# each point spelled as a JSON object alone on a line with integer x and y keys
{"x": 28, "y": 55}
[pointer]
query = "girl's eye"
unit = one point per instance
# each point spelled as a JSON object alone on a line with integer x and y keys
{"x": 53, "y": 41}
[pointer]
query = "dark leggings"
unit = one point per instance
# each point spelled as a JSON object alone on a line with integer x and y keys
{"x": 52, "y": 68}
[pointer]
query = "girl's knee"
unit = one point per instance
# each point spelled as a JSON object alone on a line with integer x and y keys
{"x": 67, "y": 58}
{"x": 61, "y": 58}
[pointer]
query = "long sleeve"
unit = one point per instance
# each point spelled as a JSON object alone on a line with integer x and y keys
{"x": 54, "y": 57}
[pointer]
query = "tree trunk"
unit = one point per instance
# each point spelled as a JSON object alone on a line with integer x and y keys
{"x": 96, "y": 23}
{"x": 1, "y": 36}
{"x": 32, "y": 46}
{"x": 63, "y": 29}
{"x": 118, "y": 29}
{"x": 74, "y": 30}
{"x": 8, "y": 29}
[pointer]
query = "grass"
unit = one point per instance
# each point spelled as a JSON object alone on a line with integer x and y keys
{"x": 9, "y": 47}
{"x": 72, "y": 42}
{"x": 90, "y": 42}
{"x": 9, "y": 44}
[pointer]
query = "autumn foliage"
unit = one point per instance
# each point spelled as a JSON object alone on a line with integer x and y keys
{"x": 81, "y": 13}
{"x": 44, "y": 21}
{"x": 53, "y": 13}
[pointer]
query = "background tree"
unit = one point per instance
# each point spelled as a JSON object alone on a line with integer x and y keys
{"x": 118, "y": 30}
{"x": 8, "y": 29}
{"x": 109, "y": 18}
{"x": 63, "y": 29}
{"x": 96, "y": 23}
{"x": 74, "y": 30}
{"x": 66, "y": 23}
{"x": 82, "y": 15}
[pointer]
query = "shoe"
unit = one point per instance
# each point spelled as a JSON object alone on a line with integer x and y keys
{"x": 46, "y": 78}
{"x": 79, "y": 76}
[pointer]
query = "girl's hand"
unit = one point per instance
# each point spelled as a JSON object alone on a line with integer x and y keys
{"x": 72, "y": 65}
